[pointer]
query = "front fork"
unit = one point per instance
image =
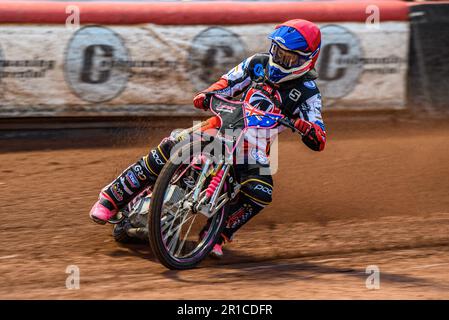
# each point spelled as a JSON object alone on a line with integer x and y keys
{"x": 210, "y": 200}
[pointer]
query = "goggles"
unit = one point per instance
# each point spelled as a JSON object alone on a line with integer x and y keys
{"x": 288, "y": 59}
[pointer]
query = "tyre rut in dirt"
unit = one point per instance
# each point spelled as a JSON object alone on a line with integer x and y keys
{"x": 156, "y": 210}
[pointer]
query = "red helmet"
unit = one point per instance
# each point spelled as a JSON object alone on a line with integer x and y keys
{"x": 294, "y": 49}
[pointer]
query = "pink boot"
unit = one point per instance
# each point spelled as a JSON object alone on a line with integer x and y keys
{"x": 103, "y": 210}
{"x": 217, "y": 251}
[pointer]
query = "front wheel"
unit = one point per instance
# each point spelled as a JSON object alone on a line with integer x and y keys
{"x": 179, "y": 237}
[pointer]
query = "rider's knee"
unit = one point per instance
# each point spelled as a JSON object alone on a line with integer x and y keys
{"x": 164, "y": 148}
{"x": 259, "y": 189}
{"x": 159, "y": 156}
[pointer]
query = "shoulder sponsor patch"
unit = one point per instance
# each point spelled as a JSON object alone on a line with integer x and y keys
{"x": 258, "y": 70}
{"x": 310, "y": 84}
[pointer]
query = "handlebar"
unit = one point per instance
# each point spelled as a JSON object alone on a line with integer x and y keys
{"x": 287, "y": 122}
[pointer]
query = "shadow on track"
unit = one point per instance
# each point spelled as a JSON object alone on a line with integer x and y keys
{"x": 272, "y": 271}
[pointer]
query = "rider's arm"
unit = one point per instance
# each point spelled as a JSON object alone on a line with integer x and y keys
{"x": 235, "y": 81}
{"x": 310, "y": 122}
{"x": 231, "y": 84}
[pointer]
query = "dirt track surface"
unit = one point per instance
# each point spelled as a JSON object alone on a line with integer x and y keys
{"x": 378, "y": 195}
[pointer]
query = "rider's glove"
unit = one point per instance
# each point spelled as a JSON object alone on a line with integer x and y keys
{"x": 303, "y": 126}
{"x": 198, "y": 101}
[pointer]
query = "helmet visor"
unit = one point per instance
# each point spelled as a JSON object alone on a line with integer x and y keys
{"x": 286, "y": 58}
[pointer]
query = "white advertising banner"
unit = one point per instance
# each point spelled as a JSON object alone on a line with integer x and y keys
{"x": 148, "y": 69}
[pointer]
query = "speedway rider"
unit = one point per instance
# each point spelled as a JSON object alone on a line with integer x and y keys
{"x": 283, "y": 82}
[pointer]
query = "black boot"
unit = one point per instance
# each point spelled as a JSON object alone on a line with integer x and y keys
{"x": 129, "y": 184}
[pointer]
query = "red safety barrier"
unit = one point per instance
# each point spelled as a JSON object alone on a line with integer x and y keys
{"x": 194, "y": 13}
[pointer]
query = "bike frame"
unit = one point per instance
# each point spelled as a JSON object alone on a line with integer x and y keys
{"x": 215, "y": 201}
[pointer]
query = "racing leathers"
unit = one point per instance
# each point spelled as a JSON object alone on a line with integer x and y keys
{"x": 299, "y": 99}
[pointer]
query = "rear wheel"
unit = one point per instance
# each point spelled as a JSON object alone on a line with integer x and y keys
{"x": 174, "y": 229}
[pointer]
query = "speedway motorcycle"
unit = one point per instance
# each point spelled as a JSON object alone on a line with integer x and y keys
{"x": 184, "y": 213}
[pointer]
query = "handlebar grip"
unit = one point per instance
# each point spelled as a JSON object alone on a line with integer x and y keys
{"x": 286, "y": 122}
{"x": 289, "y": 124}
{"x": 208, "y": 96}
